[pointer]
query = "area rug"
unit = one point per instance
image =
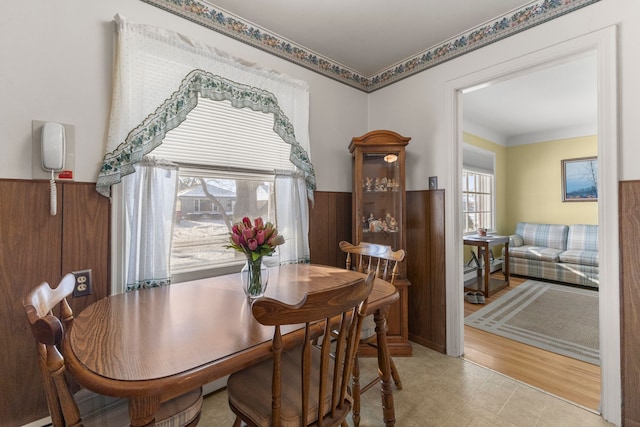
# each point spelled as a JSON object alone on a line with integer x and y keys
{"x": 557, "y": 318}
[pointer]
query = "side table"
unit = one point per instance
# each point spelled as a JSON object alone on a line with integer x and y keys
{"x": 484, "y": 244}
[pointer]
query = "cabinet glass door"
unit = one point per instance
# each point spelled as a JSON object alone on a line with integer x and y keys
{"x": 381, "y": 202}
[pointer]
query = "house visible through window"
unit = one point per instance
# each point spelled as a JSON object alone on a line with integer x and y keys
{"x": 204, "y": 216}
{"x": 227, "y": 158}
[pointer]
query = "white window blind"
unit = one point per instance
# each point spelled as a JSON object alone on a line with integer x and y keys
{"x": 218, "y": 135}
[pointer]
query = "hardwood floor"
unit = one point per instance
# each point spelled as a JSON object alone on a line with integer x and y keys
{"x": 568, "y": 378}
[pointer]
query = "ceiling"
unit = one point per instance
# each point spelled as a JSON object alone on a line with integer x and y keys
{"x": 368, "y": 36}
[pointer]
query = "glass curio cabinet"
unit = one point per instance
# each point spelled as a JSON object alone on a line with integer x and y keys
{"x": 379, "y": 213}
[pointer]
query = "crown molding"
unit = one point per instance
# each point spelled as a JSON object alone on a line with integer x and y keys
{"x": 224, "y": 22}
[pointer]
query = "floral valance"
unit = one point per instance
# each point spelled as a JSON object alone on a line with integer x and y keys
{"x": 150, "y": 133}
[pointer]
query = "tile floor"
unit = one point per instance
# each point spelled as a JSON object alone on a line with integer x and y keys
{"x": 443, "y": 391}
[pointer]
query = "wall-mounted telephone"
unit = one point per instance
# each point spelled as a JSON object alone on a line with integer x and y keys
{"x": 53, "y": 155}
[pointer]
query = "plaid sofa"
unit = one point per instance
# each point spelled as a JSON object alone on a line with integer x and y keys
{"x": 555, "y": 252}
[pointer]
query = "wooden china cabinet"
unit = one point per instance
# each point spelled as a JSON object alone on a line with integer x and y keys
{"x": 379, "y": 216}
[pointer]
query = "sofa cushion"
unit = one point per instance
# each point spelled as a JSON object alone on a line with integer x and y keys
{"x": 583, "y": 237}
{"x": 552, "y": 236}
{"x": 574, "y": 256}
{"x": 535, "y": 252}
{"x": 515, "y": 240}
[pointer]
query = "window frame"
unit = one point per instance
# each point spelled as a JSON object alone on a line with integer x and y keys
{"x": 492, "y": 203}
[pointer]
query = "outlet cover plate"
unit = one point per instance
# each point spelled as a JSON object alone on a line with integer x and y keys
{"x": 84, "y": 283}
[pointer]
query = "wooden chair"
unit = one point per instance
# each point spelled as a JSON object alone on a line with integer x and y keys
{"x": 308, "y": 384}
{"x": 85, "y": 407}
{"x": 381, "y": 260}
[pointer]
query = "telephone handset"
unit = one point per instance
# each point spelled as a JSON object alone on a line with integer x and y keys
{"x": 53, "y": 154}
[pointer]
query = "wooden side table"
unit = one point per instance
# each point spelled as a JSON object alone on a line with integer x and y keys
{"x": 484, "y": 243}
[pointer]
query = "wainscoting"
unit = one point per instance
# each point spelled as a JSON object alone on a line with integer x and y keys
{"x": 36, "y": 247}
{"x": 629, "y": 209}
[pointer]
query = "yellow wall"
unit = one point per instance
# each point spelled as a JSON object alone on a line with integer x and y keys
{"x": 534, "y": 183}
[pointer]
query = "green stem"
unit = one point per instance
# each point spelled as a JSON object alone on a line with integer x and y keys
{"x": 255, "y": 278}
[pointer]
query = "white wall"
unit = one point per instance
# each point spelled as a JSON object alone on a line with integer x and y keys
{"x": 56, "y": 65}
{"x": 415, "y": 106}
{"x": 57, "y": 58}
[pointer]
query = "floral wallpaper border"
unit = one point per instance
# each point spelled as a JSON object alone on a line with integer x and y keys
{"x": 530, "y": 15}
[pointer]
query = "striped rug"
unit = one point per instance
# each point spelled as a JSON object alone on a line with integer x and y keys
{"x": 561, "y": 319}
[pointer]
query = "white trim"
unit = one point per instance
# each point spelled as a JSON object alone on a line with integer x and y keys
{"x": 604, "y": 42}
{"x": 118, "y": 239}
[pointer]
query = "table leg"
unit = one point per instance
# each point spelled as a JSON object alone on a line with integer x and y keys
{"x": 142, "y": 410}
{"x": 487, "y": 271}
{"x": 506, "y": 262}
{"x": 388, "y": 411}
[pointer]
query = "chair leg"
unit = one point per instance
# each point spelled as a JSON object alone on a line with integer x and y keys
{"x": 355, "y": 391}
{"x": 394, "y": 374}
{"x": 237, "y": 422}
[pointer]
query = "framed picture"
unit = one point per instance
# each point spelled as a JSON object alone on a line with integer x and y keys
{"x": 580, "y": 180}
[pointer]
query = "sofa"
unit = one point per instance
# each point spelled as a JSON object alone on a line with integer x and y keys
{"x": 562, "y": 253}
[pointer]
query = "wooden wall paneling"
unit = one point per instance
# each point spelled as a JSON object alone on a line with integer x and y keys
{"x": 30, "y": 253}
{"x": 426, "y": 268}
{"x": 85, "y": 238}
{"x": 629, "y": 208}
{"x": 437, "y": 262}
{"x": 318, "y": 221}
{"x": 329, "y": 223}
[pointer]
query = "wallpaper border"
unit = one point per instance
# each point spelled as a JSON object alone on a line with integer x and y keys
{"x": 219, "y": 20}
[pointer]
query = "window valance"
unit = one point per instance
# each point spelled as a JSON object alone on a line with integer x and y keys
{"x": 152, "y": 63}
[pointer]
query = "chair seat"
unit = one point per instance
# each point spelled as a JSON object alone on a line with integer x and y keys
{"x": 98, "y": 410}
{"x": 250, "y": 391}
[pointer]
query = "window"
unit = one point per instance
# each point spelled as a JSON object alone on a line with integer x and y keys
{"x": 227, "y": 158}
{"x": 200, "y": 235}
{"x": 477, "y": 201}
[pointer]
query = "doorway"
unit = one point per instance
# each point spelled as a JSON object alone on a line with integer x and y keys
{"x": 603, "y": 43}
{"x": 523, "y": 127}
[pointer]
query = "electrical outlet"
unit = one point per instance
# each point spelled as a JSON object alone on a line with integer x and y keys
{"x": 83, "y": 283}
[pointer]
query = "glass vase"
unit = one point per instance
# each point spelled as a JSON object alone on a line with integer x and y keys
{"x": 255, "y": 276}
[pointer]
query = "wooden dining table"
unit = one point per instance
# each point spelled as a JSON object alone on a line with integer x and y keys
{"x": 154, "y": 344}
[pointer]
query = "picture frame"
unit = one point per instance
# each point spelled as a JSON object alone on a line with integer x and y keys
{"x": 580, "y": 179}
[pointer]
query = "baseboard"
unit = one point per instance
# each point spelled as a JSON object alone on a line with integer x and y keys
{"x": 427, "y": 343}
{"x": 44, "y": 422}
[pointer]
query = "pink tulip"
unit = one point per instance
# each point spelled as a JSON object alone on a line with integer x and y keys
{"x": 253, "y": 244}
{"x": 258, "y": 223}
{"x": 248, "y": 233}
{"x": 247, "y": 222}
{"x": 236, "y": 229}
{"x": 260, "y": 237}
{"x": 236, "y": 239}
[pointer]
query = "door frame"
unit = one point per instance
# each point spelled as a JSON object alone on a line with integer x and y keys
{"x": 604, "y": 43}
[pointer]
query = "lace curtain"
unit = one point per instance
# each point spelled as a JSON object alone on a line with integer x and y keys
{"x": 150, "y": 202}
{"x": 155, "y": 87}
{"x": 158, "y": 77}
{"x": 292, "y": 217}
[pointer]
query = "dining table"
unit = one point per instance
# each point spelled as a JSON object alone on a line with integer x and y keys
{"x": 152, "y": 345}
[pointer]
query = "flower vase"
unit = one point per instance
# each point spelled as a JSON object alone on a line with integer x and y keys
{"x": 255, "y": 276}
